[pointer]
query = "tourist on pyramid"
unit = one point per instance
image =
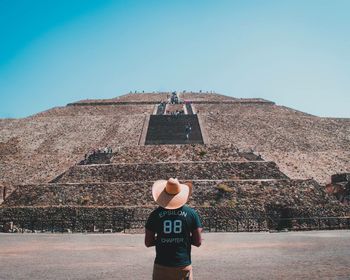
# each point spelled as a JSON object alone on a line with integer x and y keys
{"x": 173, "y": 227}
{"x": 188, "y": 130}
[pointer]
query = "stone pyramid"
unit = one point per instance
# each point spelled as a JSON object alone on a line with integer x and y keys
{"x": 238, "y": 186}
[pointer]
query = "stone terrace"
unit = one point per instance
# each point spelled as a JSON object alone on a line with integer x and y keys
{"x": 131, "y": 97}
{"x": 223, "y": 205}
{"x": 216, "y": 98}
{"x": 318, "y": 165}
{"x": 181, "y": 170}
{"x": 304, "y": 197}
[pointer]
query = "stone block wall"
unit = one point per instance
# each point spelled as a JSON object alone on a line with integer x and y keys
{"x": 300, "y": 197}
{"x": 133, "y": 219}
{"x": 115, "y": 219}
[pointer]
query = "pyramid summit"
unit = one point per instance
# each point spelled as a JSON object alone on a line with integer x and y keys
{"x": 243, "y": 155}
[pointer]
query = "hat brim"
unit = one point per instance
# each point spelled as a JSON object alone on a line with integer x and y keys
{"x": 169, "y": 201}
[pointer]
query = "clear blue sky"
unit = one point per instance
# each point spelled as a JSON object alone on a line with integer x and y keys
{"x": 293, "y": 52}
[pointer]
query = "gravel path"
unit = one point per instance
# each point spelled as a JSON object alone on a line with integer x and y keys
{"x": 293, "y": 255}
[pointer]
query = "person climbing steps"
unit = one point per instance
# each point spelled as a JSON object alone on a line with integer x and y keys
{"x": 188, "y": 130}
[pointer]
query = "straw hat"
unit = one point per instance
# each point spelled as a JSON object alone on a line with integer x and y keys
{"x": 171, "y": 194}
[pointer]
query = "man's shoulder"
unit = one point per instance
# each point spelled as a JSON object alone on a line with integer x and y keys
{"x": 155, "y": 211}
{"x": 189, "y": 209}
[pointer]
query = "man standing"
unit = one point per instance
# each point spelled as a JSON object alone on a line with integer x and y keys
{"x": 172, "y": 228}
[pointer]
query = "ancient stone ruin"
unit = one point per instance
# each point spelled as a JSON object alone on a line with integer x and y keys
{"x": 90, "y": 166}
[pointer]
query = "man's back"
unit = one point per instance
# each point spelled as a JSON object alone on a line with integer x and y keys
{"x": 174, "y": 230}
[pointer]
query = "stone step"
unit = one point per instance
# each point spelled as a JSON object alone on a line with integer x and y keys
{"x": 182, "y": 170}
{"x": 189, "y": 108}
{"x": 173, "y": 153}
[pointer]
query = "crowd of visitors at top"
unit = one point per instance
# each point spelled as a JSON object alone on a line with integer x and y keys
{"x": 173, "y": 99}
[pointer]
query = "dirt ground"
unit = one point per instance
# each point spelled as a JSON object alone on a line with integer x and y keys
{"x": 291, "y": 255}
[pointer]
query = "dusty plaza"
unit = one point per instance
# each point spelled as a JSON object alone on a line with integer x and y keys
{"x": 223, "y": 256}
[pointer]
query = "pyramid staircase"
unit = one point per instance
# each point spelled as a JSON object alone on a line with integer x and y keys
{"x": 233, "y": 191}
{"x": 168, "y": 125}
{"x": 170, "y": 129}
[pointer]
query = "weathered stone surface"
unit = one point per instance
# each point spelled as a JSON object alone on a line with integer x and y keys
{"x": 181, "y": 170}
{"x": 38, "y": 148}
{"x": 133, "y": 97}
{"x": 50, "y": 142}
{"x": 304, "y": 146}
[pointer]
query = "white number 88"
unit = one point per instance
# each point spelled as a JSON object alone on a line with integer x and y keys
{"x": 168, "y": 226}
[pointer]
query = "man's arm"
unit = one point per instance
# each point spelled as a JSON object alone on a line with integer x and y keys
{"x": 197, "y": 237}
{"x": 150, "y": 238}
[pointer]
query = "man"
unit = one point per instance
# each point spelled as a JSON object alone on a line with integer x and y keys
{"x": 188, "y": 129}
{"x": 173, "y": 227}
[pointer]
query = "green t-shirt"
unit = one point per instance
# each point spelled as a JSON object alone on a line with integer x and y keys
{"x": 173, "y": 229}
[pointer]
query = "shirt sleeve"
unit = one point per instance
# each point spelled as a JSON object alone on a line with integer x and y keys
{"x": 196, "y": 222}
{"x": 151, "y": 223}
